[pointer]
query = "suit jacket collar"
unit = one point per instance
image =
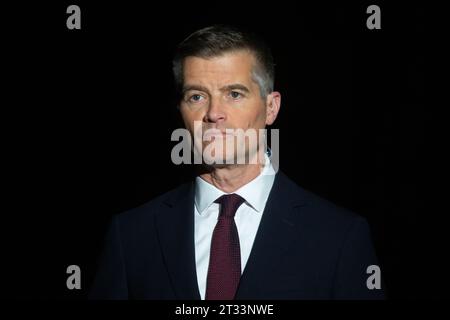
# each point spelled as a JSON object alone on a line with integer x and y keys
{"x": 274, "y": 236}
{"x": 175, "y": 227}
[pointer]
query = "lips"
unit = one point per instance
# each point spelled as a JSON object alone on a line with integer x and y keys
{"x": 216, "y": 133}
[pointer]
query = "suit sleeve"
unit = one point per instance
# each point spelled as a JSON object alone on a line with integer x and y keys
{"x": 110, "y": 281}
{"x": 357, "y": 254}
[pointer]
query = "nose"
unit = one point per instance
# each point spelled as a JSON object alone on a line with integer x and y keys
{"x": 215, "y": 111}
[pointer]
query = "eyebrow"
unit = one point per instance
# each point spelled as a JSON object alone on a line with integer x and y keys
{"x": 194, "y": 87}
{"x": 234, "y": 86}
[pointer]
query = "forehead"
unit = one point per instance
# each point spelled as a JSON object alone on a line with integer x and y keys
{"x": 229, "y": 66}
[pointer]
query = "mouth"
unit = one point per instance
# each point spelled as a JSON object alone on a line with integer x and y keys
{"x": 216, "y": 134}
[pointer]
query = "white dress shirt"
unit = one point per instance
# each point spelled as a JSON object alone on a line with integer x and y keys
{"x": 247, "y": 218}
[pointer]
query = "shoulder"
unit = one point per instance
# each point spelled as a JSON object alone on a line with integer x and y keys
{"x": 316, "y": 212}
{"x": 143, "y": 214}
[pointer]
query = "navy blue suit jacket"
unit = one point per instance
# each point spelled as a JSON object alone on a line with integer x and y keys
{"x": 305, "y": 248}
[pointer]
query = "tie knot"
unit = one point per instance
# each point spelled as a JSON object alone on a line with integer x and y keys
{"x": 229, "y": 203}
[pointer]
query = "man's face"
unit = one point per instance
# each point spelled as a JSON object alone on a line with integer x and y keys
{"x": 220, "y": 93}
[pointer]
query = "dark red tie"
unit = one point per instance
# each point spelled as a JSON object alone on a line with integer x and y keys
{"x": 224, "y": 269}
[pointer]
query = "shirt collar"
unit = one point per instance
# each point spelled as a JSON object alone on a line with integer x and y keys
{"x": 255, "y": 192}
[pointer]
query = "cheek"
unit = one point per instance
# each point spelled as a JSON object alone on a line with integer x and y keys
{"x": 185, "y": 118}
{"x": 262, "y": 115}
{"x": 188, "y": 124}
{"x": 248, "y": 118}
{"x": 257, "y": 118}
{"x": 190, "y": 118}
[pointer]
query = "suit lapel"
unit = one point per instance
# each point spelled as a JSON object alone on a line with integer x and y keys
{"x": 274, "y": 235}
{"x": 175, "y": 225}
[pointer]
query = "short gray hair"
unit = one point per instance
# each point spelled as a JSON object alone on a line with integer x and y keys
{"x": 219, "y": 39}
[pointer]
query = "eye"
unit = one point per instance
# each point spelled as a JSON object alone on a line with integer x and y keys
{"x": 196, "y": 98}
{"x": 235, "y": 94}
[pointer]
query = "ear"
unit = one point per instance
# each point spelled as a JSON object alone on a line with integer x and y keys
{"x": 273, "y": 104}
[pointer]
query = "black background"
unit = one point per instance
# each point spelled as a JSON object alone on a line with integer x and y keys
{"x": 88, "y": 115}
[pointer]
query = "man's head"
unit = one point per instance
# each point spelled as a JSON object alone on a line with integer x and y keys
{"x": 217, "y": 40}
{"x": 225, "y": 80}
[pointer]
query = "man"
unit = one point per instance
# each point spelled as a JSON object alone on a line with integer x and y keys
{"x": 241, "y": 230}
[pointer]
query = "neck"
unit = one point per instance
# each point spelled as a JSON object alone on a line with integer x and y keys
{"x": 229, "y": 178}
